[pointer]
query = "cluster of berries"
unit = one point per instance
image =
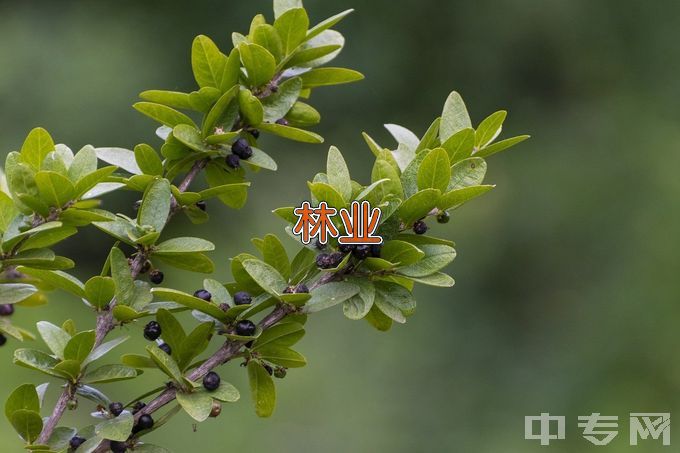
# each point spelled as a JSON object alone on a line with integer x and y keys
{"x": 361, "y": 251}
{"x": 240, "y": 149}
{"x": 115, "y": 409}
{"x": 5, "y": 310}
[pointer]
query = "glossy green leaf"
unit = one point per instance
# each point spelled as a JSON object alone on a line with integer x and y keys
{"x": 84, "y": 163}
{"x": 54, "y": 337}
{"x": 467, "y": 172}
{"x": 148, "y": 161}
{"x": 328, "y": 23}
{"x": 120, "y": 157}
{"x": 181, "y": 245}
{"x": 460, "y": 145}
{"x": 122, "y": 277}
{"x": 11, "y": 293}
{"x": 251, "y": 107}
{"x": 436, "y": 257}
{"x": 109, "y": 373}
{"x": 99, "y": 291}
{"x": 103, "y": 349}
{"x": 418, "y": 206}
{"x": 455, "y": 117}
{"x": 401, "y": 252}
{"x": 155, "y": 206}
{"x": 24, "y": 397}
{"x": 117, "y": 428}
{"x": 338, "y": 173}
{"x": 434, "y": 171}
{"x": 28, "y": 424}
{"x": 165, "y": 362}
{"x": 80, "y": 346}
{"x": 194, "y": 262}
{"x": 277, "y": 105}
{"x": 174, "y": 99}
{"x": 191, "y": 302}
{"x": 457, "y": 197}
{"x": 197, "y": 404}
{"x": 329, "y": 76}
{"x": 36, "y": 147}
{"x": 266, "y": 36}
{"x": 291, "y": 133}
{"x": 207, "y": 62}
{"x": 329, "y": 295}
{"x": 163, "y": 114}
{"x": 489, "y": 129}
{"x": 216, "y": 114}
{"x": 266, "y": 276}
{"x": 284, "y": 334}
{"x": 383, "y": 170}
{"x": 500, "y": 146}
{"x": 58, "y": 279}
{"x": 262, "y": 389}
{"x": 194, "y": 344}
{"x": 259, "y": 62}
{"x": 54, "y": 188}
{"x": 292, "y": 28}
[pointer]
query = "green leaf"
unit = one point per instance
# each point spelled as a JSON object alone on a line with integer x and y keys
{"x": 174, "y": 99}
{"x": 177, "y": 246}
{"x": 430, "y": 139}
{"x": 109, "y": 373}
{"x": 190, "y": 137}
{"x": 117, "y": 428}
{"x": 489, "y": 129}
{"x": 291, "y": 133}
{"x": 418, "y": 206}
{"x": 60, "y": 438}
{"x": 226, "y": 392}
{"x": 325, "y": 192}
{"x": 401, "y": 252}
{"x": 122, "y": 277}
{"x": 191, "y": 302}
{"x": 328, "y": 23}
{"x": 216, "y": 177}
{"x": 36, "y": 360}
{"x": 204, "y": 98}
{"x": 99, "y": 291}
{"x": 137, "y": 361}
{"x": 283, "y": 356}
{"x": 457, "y": 197}
{"x": 36, "y": 147}
{"x": 27, "y": 423}
{"x": 277, "y": 105}
{"x": 47, "y": 238}
{"x": 377, "y": 319}
{"x": 460, "y": 145}
{"x": 394, "y": 300}
{"x": 11, "y": 293}
{"x": 219, "y": 293}
{"x": 467, "y": 172}
{"x": 259, "y": 62}
{"x": 103, "y": 349}
{"x": 194, "y": 262}
{"x": 197, "y": 404}
{"x": 303, "y": 115}
{"x": 436, "y": 257}
{"x": 292, "y": 28}
{"x": 281, "y": 6}
{"x": 207, "y": 62}
{"x": 266, "y": 276}
{"x": 262, "y": 389}
{"x": 232, "y": 192}
{"x": 439, "y": 279}
{"x": 173, "y": 333}
{"x": 500, "y": 146}
{"x": 338, "y": 173}
{"x": 251, "y": 107}
{"x": 217, "y": 112}
{"x": 91, "y": 186}
{"x": 329, "y": 76}
{"x": 275, "y": 255}
{"x": 455, "y": 117}
{"x": 120, "y": 157}
{"x": 84, "y": 163}
{"x": 166, "y": 363}
{"x": 329, "y": 295}
{"x": 358, "y": 306}
{"x": 54, "y": 337}
{"x": 194, "y": 344}
{"x": 8, "y": 212}
{"x": 155, "y": 206}
{"x": 57, "y": 279}
{"x": 284, "y": 334}
{"x": 54, "y": 188}
{"x": 312, "y": 56}
{"x": 434, "y": 171}
{"x": 24, "y": 397}
{"x": 80, "y": 346}
{"x": 266, "y": 36}
{"x": 148, "y": 161}
{"x": 383, "y": 170}
{"x": 163, "y": 114}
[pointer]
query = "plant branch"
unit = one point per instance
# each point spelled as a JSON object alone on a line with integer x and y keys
{"x": 57, "y": 412}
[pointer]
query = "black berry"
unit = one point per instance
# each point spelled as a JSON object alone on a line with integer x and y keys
{"x": 117, "y": 446}
{"x": 318, "y": 245}
{"x": 139, "y": 405}
{"x": 280, "y": 372}
{"x": 152, "y": 331}
{"x": 145, "y": 422}
{"x": 375, "y": 250}
{"x": 346, "y": 248}
{"x": 156, "y": 277}
{"x": 242, "y": 149}
{"x": 76, "y": 442}
{"x": 336, "y": 258}
{"x": 301, "y": 288}
{"x": 443, "y": 217}
{"x": 242, "y": 298}
{"x": 255, "y": 133}
{"x": 282, "y": 122}
{"x": 211, "y": 381}
{"x": 245, "y": 328}
{"x": 233, "y": 161}
{"x": 362, "y": 251}
{"x": 116, "y": 409}
{"x": 203, "y": 294}
{"x": 165, "y": 348}
{"x": 420, "y": 227}
{"x": 324, "y": 261}
{"x": 3, "y": 340}
{"x": 249, "y": 344}
{"x": 202, "y": 205}
{"x": 268, "y": 369}
{"x": 6, "y": 309}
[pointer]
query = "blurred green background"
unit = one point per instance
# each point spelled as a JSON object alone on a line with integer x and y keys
{"x": 567, "y": 291}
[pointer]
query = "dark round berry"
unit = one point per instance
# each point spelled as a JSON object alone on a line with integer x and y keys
{"x": 245, "y": 328}
{"x": 336, "y": 258}
{"x": 255, "y": 133}
{"x": 375, "y": 250}
{"x": 216, "y": 409}
{"x": 6, "y": 309}
{"x": 165, "y": 348}
{"x": 301, "y": 288}
{"x": 249, "y": 344}
{"x": 268, "y": 369}
{"x": 242, "y": 149}
{"x": 116, "y": 409}
{"x": 152, "y": 331}
{"x": 144, "y": 422}
{"x": 3, "y": 340}
{"x": 362, "y": 251}
{"x": 233, "y": 161}
{"x": 282, "y": 122}
{"x": 211, "y": 381}
{"x": 156, "y": 277}
{"x": 443, "y": 217}
{"x": 324, "y": 261}
{"x": 203, "y": 294}
{"x": 346, "y": 248}
{"x": 420, "y": 227}
{"x": 117, "y": 446}
{"x": 76, "y": 442}
{"x": 280, "y": 372}
{"x": 139, "y": 405}
{"x": 242, "y": 298}
{"x": 318, "y": 245}
{"x": 202, "y": 205}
